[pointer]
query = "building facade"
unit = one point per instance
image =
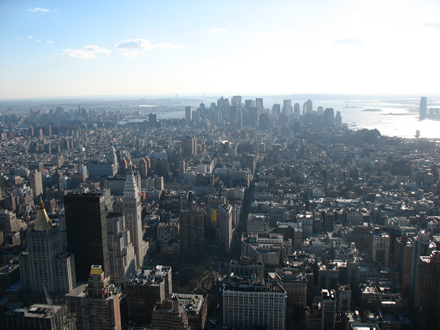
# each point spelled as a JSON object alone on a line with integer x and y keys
{"x": 86, "y": 228}
{"x": 427, "y": 305}
{"x": 247, "y": 305}
{"x": 46, "y": 265}
{"x": 133, "y": 218}
{"x": 148, "y": 288}
{"x": 192, "y": 232}
{"x": 95, "y": 305}
{"x": 120, "y": 249}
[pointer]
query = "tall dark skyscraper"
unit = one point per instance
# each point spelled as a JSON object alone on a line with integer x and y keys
{"x": 329, "y": 116}
{"x": 427, "y": 307}
{"x": 86, "y": 227}
{"x": 189, "y": 146}
{"x": 152, "y": 120}
{"x": 191, "y": 232}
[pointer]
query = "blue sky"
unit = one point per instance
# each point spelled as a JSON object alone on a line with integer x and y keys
{"x": 76, "y": 48}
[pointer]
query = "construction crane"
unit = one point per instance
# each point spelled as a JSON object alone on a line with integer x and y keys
{"x": 48, "y": 300}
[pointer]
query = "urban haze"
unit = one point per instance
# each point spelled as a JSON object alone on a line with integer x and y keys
{"x": 239, "y": 165}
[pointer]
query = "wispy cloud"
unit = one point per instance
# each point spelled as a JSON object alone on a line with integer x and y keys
{"x": 350, "y": 42}
{"x": 49, "y": 41}
{"x": 96, "y": 49}
{"x": 433, "y": 25}
{"x": 135, "y": 44}
{"x": 29, "y": 37}
{"x": 44, "y": 10}
{"x": 131, "y": 47}
{"x": 38, "y": 40}
{"x": 18, "y": 37}
{"x": 88, "y": 51}
{"x": 217, "y": 30}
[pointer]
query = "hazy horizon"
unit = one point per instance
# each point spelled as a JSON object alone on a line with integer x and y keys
{"x": 183, "y": 96}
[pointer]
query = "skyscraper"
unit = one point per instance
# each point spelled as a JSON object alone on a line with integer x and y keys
{"x": 192, "y": 232}
{"x": 422, "y": 246}
{"x": 423, "y": 107}
{"x": 145, "y": 289}
{"x": 328, "y": 309}
{"x": 251, "y": 305}
{"x": 236, "y": 100}
{"x": 111, "y": 156}
{"x": 233, "y": 113}
{"x": 222, "y": 104}
{"x": 188, "y": 115}
{"x": 253, "y": 117}
{"x": 46, "y": 263}
{"x": 86, "y": 227}
{"x": 428, "y": 292}
{"x": 263, "y": 121}
{"x": 225, "y": 219}
{"x": 121, "y": 251}
{"x": 9, "y": 223}
{"x": 143, "y": 168}
{"x": 133, "y": 217}
{"x": 338, "y": 118}
{"x": 287, "y": 107}
{"x": 307, "y": 107}
{"x": 249, "y": 104}
{"x": 110, "y": 168}
{"x": 259, "y": 105}
{"x": 276, "y": 109}
{"x": 152, "y": 120}
{"x": 329, "y": 116}
{"x": 189, "y": 146}
{"x": 36, "y": 183}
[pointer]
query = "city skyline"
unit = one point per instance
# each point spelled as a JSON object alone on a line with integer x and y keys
{"x": 247, "y": 215}
{"x": 52, "y": 49}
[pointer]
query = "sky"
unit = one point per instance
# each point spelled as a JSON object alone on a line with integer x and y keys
{"x": 249, "y": 47}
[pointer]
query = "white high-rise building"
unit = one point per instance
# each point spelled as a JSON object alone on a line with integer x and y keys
{"x": 246, "y": 306}
{"x": 46, "y": 263}
{"x": 133, "y": 218}
{"x": 120, "y": 249}
{"x": 36, "y": 183}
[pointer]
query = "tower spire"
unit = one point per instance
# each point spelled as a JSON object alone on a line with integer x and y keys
{"x": 43, "y": 222}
